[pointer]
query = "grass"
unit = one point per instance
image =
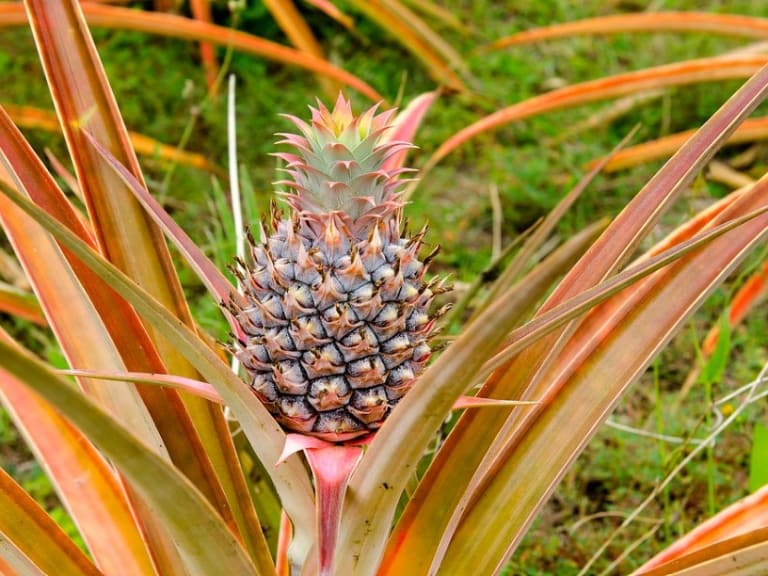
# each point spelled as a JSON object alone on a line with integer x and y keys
{"x": 160, "y": 86}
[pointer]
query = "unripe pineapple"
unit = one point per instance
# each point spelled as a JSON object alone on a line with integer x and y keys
{"x": 336, "y": 317}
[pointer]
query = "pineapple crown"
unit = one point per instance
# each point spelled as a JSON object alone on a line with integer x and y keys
{"x": 343, "y": 165}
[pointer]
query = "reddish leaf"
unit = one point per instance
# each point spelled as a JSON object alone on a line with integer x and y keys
{"x": 331, "y": 467}
{"x": 86, "y": 484}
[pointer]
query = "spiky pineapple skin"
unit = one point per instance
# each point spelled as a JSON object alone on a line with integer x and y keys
{"x": 335, "y": 316}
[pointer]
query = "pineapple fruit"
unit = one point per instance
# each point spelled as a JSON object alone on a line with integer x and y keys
{"x": 335, "y": 315}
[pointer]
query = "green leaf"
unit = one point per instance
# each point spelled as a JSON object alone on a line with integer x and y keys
{"x": 716, "y": 364}
{"x": 758, "y": 458}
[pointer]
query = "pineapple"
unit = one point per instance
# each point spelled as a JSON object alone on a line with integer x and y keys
{"x": 335, "y": 313}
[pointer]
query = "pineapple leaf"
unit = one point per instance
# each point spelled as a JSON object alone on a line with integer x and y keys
{"x": 290, "y": 479}
{"x": 207, "y": 546}
{"x": 82, "y": 478}
{"x": 33, "y": 543}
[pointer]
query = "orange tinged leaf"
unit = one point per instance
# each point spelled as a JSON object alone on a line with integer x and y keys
{"x": 193, "y": 430}
{"x": 745, "y": 554}
{"x": 681, "y": 73}
{"x": 179, "y": 27}
{"x": 753, "y": 129}
{"x": 410, "y": 30}
{"x": 196, "y": 529}
{"x": 394, "y": 452}
{"x": 201, "y": 10}
{"x": 747, "y": 514}
{"x": 451, "y": 474}
{"x": 22, "y": 304}
{"x": 84, "y": 481}
{"x": 300, "y": 34}
{"x": 743, "y": 301}
{"x": 333, "y": 12}
{"x": 726, "y": 24}
{"x": 30, "y": 531}
{"x": 36, "y": 118}
{"x": 606, "y": 353}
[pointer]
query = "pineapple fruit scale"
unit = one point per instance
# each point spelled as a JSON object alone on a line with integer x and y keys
{"x": 335, "y": 307}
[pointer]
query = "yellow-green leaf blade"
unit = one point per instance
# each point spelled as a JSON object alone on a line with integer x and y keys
{"x": 206, "y": 544}
{"x": 604, "y": 356}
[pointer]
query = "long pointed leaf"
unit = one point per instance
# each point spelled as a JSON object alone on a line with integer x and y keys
{"x": 35, "y": 536}
{"x": 726, "y": 24}
{"x": 290, "y": 478}
{"x": 206, "y": 543}
{"x": 453, "y": 468}
{"x": 607, "y": 353}
{"x": 195, "y": 432}
{"x": 114, "y": 17}
{"x": 19, "y": 303}
{"x": 380, "y": 478}
{"x": 403, "y": 548}
{"x": 703, "y": 70}
{"x": 85, "y": 482}
{"x": 439, "y": 67}
{"x": 300, "y": 34}
{"x": 37, "y": 118}
{"x": 89, "y": 326}
{"x": 745, "y": 555}
{"x": 70, "y": 311}
{"x": 753, "y": 129}
{"x": 747, "y": 514}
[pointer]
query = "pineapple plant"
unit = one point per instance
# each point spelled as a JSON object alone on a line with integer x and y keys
{"x": 154, "y": 480}
{"x": 335, "y": 316}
